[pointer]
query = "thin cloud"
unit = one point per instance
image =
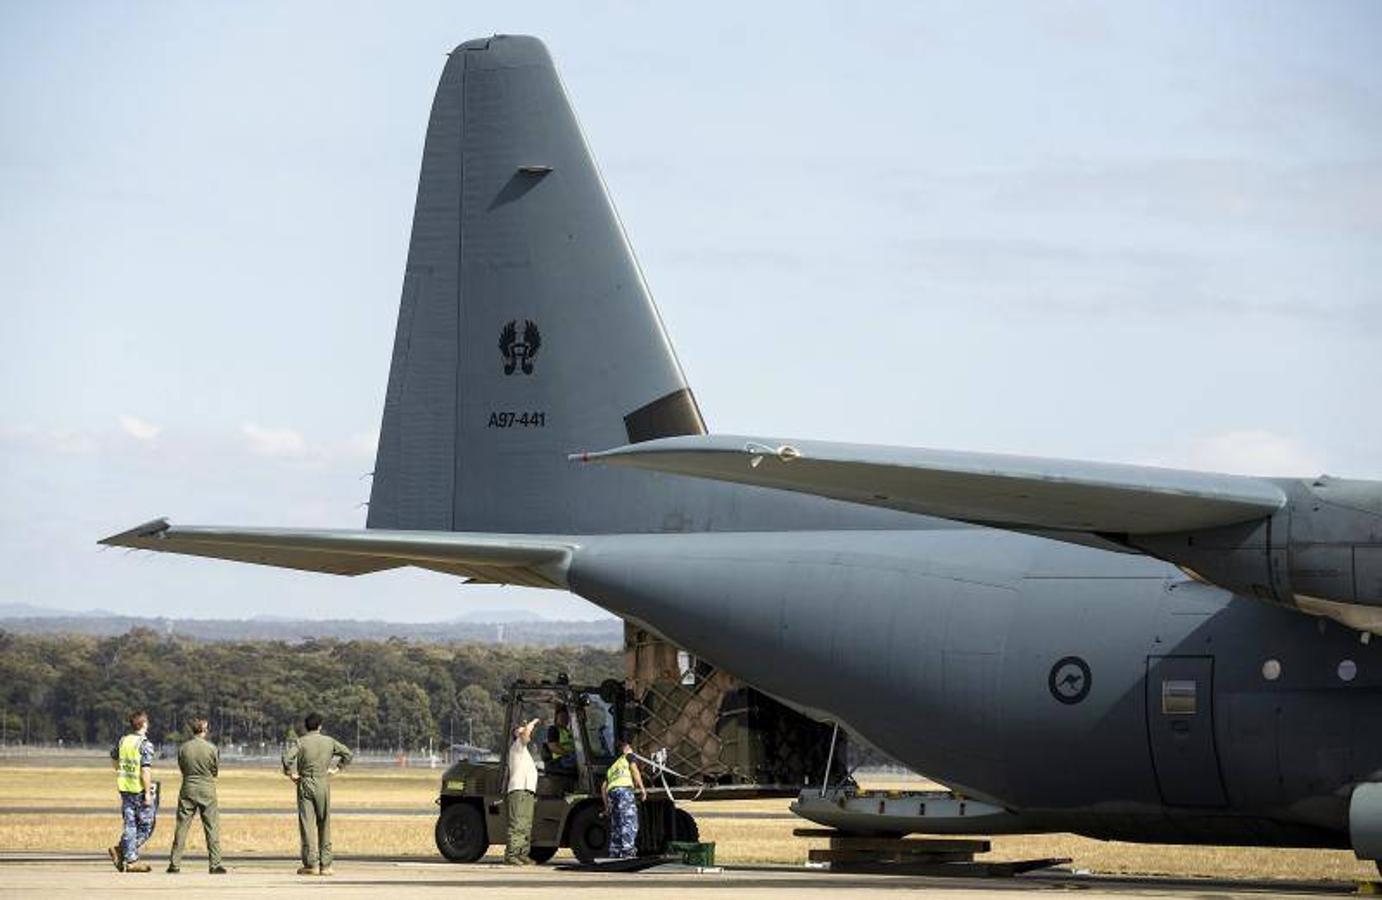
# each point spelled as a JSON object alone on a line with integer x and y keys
{"x": 1247, "y": 194}
{"x": 1108, "y": 281}
{"x": 362, "y": 445}
{"x": 138, "y": 428}
{"x": 279, "y": 443}
{"x": 75, "y": 441}
{"x": 1252, "y": 451}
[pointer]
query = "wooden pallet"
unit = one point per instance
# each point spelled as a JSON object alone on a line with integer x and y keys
{"x": 1005, "y": 869}
{"x": 946, "y": 857}
{"x": 843, "y": 840}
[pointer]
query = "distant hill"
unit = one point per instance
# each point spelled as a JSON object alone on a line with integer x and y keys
{"x": 20, "y": 618}
{"x": 29, "y": 611}
{"x": 499, "y": 616}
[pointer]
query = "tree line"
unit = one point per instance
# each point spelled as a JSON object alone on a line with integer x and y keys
{"x": 383, "y": 694}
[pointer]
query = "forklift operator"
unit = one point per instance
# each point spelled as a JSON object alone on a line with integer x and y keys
{"x": 561, "y": 743}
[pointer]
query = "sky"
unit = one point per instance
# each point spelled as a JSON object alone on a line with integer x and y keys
{"x": 1136, "y": 232}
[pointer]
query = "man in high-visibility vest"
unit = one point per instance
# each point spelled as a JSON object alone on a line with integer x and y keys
{"x": 133, "y": 758}
{"x": 561, "y": 743}
{"x": 621, "y": 779}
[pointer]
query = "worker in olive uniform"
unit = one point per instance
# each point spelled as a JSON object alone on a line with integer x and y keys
{"x": 133, "y": 757}
{"x": 200, "y": 763}
{"x": 520, "y": 796}
{"x": 621, "y": 779}
{"x": 310, "y": 763}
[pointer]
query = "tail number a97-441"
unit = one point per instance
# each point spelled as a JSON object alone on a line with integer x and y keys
{"x": 517, "y": 420}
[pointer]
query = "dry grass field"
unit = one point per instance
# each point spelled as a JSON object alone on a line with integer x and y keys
{"x": 361, "y": 790}
{"x": 257, "y": 788}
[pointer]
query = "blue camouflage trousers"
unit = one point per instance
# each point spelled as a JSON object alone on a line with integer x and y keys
{"x": 139, "y": 824}
{"x": 623, "y": 823}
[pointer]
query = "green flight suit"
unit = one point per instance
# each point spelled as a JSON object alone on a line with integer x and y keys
{"x": 200, "y": 763}
{"x": 312, "y": 758}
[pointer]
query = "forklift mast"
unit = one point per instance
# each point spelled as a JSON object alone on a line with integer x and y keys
{"x": 597, "y": 717}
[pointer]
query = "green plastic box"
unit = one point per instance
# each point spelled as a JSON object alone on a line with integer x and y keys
{"x": 693, "y": 854}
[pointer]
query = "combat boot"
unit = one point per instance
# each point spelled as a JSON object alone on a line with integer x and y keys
{"x": 306, "y": 870}
{"x": 326, "y": 870}
{"x": 138, "y": 867}
{"x": 219, "y": 870}
{"x": 117, "y": 858}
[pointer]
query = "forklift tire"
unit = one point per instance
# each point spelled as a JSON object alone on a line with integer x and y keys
{"x": 588, "y": 833}
{"x": 541, "y": 855}
{"x": 460, "y": 833}
{"x": 685, "y": 828}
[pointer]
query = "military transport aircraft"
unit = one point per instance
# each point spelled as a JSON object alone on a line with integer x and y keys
{"x": 1119, "y": 651}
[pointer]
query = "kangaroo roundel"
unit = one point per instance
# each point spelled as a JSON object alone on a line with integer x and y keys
{"x": 1070, "y": 680}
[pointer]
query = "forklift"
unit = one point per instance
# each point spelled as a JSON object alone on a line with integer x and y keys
{"x": 569, "y": 811}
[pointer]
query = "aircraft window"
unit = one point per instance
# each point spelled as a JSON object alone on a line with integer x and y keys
{"x": 1271, "y": 670}
{"x": 1178, "y": 698}
{"x": 1348, "y": 670}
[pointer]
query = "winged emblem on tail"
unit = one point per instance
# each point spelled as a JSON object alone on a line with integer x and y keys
{"x": 518, "y": 354}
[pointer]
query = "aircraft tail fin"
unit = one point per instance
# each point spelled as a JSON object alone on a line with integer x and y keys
{"x": 525, "y": 331}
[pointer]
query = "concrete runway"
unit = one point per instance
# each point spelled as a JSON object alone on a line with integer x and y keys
{"x": 74, "y": 875}
{"x": 393, "y": 812}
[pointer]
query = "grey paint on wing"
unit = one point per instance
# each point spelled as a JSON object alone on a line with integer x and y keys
{"x": 539, "y": 561}
{"x": 990, "y": 488}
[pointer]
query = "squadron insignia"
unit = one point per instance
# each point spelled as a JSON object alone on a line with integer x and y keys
{"x": 518, "y": 355}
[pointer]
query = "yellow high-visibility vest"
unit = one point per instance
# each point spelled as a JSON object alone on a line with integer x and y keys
{"x": 619, "y": 774}
{"x": 566, "y": 741}
{"x": 127, "y": 777}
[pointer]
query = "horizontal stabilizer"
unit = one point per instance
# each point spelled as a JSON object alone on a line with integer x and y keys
{"x": 1018, "y": 492}
{"x": 490, "y": 558}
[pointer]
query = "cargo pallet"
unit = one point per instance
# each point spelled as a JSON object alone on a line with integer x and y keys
{"x": 946, "y": 857}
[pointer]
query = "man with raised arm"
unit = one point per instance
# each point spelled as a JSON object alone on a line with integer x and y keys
{"x": 520, "y": 796}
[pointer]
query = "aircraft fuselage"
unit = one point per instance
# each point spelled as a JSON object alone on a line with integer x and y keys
{"x": 1087, "y": 691}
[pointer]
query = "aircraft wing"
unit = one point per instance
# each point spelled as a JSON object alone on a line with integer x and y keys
{"x": 1017, "y": 492}
{"x": 536, "y": 561}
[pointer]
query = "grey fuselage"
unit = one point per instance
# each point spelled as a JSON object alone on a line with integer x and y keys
{"x": 942, "y": 645}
